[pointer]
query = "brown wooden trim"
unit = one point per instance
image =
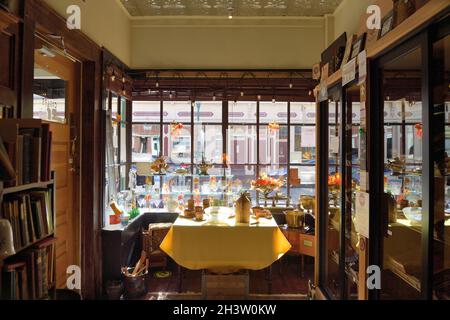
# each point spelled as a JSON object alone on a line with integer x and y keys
{"x": 90, "y": 185}
{"x": 27, "y": 68}
{"x": 49, "y": 22}
{"x": 43, "y": 20}
{"x": 7, "y": 19}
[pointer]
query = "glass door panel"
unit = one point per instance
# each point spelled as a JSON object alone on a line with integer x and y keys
{"x": 333, "y": 279}
{"x": 441, "y": 121}
{"x": 402, "y": 234}
{"x": 352, "y": 185}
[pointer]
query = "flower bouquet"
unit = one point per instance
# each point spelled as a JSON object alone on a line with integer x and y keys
{"x": 266, "y": 185}
{"x": 334, "y": 182}
{"x": 175, "y": 129}
{"x": 159, "y": 166}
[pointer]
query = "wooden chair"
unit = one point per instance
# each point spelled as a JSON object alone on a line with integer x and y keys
{"x": 152, "y": 239}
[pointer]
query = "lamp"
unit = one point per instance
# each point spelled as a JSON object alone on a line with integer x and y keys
{"x": 6, "y": 239}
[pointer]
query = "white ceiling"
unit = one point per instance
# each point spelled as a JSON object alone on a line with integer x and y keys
{"x": 244, "y": 8}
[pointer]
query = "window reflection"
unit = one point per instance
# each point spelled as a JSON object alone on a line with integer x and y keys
{"x": 402, "y": 254}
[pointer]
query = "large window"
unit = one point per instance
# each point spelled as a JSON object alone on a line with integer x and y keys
{"x": 117, "y": 162}
{"x": 278, "y": 139}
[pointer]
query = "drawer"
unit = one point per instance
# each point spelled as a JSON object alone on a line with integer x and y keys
{"x": 307, "y": 245}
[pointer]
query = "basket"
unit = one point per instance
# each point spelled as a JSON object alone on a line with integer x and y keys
{"x": 134, "y": 287}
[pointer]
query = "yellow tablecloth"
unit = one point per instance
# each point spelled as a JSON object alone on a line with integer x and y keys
{"x": 225, "y": 245}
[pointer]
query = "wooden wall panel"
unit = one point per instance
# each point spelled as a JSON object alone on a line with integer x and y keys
{"x": 9, "y": 59}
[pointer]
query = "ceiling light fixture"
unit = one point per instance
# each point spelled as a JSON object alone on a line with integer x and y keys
{"x": 230, "y": 13}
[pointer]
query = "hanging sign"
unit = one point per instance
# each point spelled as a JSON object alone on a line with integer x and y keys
{"x": 349, "y": 72}
{"x": 362, "y": 66}
{"x": 362, "y": 213}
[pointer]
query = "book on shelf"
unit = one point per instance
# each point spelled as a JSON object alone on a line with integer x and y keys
{"x": 5, "y": 112}
{"x": 30, "y": 215}
{"x": 28, "y": 146}
{"x": 7, "y": 171}
{"x": 16, "y": 282}
{"x": 31, "y": 275}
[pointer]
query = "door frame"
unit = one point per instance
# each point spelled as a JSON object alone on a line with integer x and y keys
{"x": 40, "y": 17}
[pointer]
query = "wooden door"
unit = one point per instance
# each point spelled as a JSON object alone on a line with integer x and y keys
{"x": 64, "y": 163}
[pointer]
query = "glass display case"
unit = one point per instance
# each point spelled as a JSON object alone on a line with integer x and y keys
{"x": 398, "y": 157}
{"x": 331, "y": 204}
{"x": 411, "y": 235}
{"x": 352, "y": 184}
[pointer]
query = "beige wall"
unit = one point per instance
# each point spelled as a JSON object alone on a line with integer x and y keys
{"x": 347, "y": 17}
{"x": 213, "y": 43}
{"x": 200, "y": 43}
{"x": 104, "y": 21}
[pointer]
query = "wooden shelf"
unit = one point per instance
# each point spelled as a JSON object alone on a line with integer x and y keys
{"x": 18, "y": 251}
{"x": 420, "y": 18}
{"x": 25, "y": 187}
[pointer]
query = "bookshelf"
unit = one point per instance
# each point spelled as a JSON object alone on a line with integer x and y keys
{"x": 45, "y": 241}
{"x": 29, "y": 274}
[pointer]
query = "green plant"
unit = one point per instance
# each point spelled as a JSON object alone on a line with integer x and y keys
{"x": 134, "y": 213}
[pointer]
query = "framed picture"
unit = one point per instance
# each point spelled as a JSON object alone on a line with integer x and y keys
{"x": 387, "y": 24}
{"x": 358, "y": 46}
{"x": 348, "y": 50}
{"x": 316, "y": 71}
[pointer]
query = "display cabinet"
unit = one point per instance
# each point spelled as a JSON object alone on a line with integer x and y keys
{"x": 387, "y": 137}
{"x": 411, "y": 235}
{"x": 330, "y": 195}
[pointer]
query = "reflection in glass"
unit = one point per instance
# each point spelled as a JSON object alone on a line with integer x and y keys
{"x": 242, "y": 144}
{"x": 49, "y": 96}
{"x": 441, "y": 121}
{"x": 352, "y": 185}
{"x": 402, "y": 253}
{"x": 273, "y": 145}
{"x": 145, "y": 142}
{"x": 332, "y": 275}
{"x": 208, "y": 143}
{"x": 177, "y": 148}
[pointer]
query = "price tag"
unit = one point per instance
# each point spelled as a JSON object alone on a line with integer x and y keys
{"x": 334, "y": 144}
{"x": 362, "y": 214}
{"x": 349, "y": 72}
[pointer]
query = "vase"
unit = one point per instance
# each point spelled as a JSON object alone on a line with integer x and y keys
{"x": 243, "y": 208}
{"x": 6, "y": 239}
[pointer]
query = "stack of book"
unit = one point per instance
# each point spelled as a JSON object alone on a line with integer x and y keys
{"x": 31, "y": 216}
{"x": 27, "y": 144}
{"x": 30, "y": 275}
{"x": 5, "y": 112}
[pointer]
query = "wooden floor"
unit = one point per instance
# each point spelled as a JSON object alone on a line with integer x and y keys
{"x": 287, "y": 284}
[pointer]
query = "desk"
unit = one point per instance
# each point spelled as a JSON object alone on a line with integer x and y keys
{"x": 225, "y": 246}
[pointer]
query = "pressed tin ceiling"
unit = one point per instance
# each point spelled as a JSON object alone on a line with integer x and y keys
{"x": 243, "y": 8}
